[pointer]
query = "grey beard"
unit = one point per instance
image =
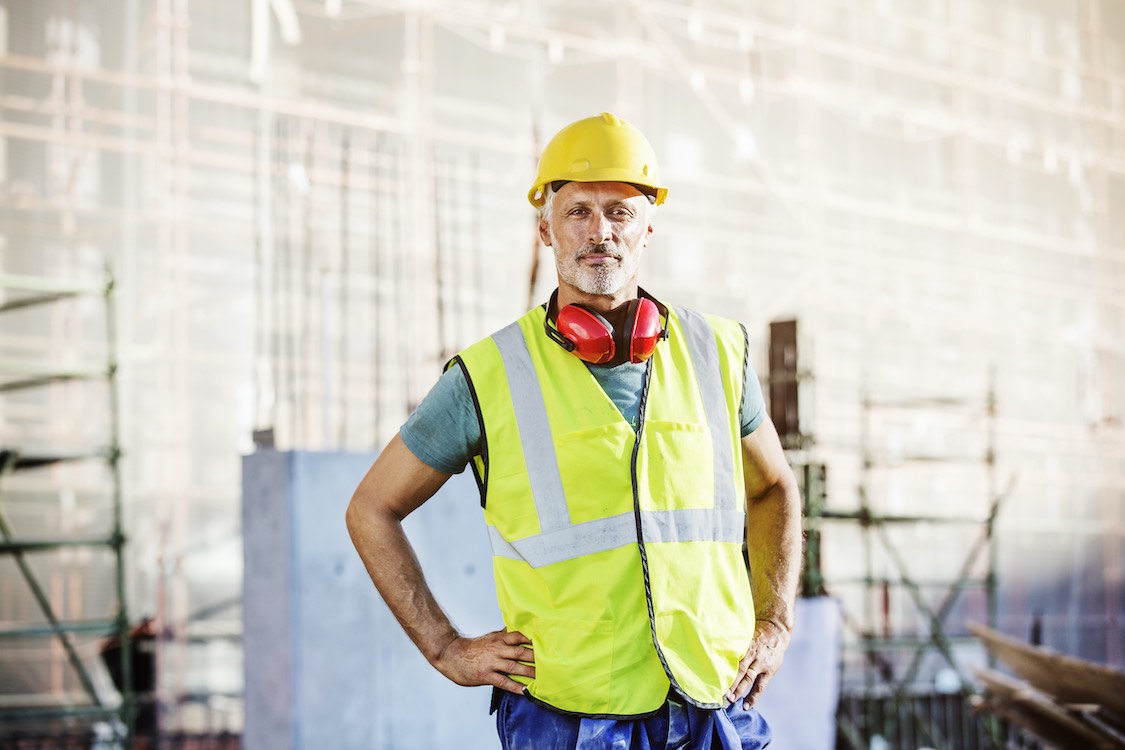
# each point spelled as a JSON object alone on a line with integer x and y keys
{"x": 600, "y": 279}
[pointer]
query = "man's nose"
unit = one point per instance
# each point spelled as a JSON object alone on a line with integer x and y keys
{"x": 601, "y": 229}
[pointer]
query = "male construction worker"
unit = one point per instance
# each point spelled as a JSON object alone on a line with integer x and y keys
{"x": 623, "y": 456}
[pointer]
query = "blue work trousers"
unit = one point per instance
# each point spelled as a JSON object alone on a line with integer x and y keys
{"x": 524, "y": 724}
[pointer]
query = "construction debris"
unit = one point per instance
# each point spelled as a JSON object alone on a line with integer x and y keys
{"x": 1068, "y": 702}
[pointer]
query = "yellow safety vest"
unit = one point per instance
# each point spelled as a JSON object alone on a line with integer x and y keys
{"x": 619, "y": 554}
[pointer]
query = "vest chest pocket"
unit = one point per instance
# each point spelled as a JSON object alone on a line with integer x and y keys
{"x": 678, "y": 465}
{"x": 594, "y": 468}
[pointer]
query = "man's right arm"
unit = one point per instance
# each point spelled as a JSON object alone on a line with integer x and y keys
{"x": 396, "y": 485}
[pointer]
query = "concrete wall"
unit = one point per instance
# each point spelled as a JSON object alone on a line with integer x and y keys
{"x": 326, "y": 664}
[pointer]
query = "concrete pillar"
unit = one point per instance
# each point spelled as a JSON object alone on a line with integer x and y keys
{"x": 326, "y": 664}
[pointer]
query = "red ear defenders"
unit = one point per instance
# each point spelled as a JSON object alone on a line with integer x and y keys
{"x": 590, "y": 337}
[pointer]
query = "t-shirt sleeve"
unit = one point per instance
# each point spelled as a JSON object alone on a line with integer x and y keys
{"x": 443, "y": 432}
{"x": 753, "y": 403}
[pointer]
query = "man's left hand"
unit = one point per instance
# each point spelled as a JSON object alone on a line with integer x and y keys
{"x": 762, "y": 659}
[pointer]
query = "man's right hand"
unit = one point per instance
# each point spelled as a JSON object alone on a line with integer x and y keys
{"x": 488, "y": 660}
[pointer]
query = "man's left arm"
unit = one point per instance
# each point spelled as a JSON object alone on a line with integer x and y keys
{"x": 773, "y": 538}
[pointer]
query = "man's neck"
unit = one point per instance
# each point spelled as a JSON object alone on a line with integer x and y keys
{"x": 606, "y": 304}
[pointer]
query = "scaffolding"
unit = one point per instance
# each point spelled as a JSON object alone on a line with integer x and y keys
{"x": 57, "y": 627}
{"x": 886, "y": 633}
{"x": 896, "y": 620}
{"x": 908, "y": 653}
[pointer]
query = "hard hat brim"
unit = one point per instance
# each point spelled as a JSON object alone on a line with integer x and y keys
{"x": 537, "y": 196}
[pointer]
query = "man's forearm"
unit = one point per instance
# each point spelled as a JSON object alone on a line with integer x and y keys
{"x": 397, "y": 484}
{"x": 394, "y": 568}
{"x": 773, "y": 537}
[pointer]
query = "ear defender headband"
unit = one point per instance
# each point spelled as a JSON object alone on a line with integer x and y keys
{"x": 587, "y": 334}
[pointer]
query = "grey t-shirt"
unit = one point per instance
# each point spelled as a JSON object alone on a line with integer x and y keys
{"x": 444, "y": 433}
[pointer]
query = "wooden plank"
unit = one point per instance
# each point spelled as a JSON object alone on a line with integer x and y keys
{"x": 1067, "y": 679}
{"x": 1040, "y": 715}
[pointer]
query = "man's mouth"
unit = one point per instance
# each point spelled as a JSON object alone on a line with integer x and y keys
{"x": 598, "y": 256}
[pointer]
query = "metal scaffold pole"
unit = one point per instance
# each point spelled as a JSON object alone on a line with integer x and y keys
{"x": 128, "y": 699}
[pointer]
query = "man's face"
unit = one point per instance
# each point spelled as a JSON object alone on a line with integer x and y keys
{"x": 597, "y": 231}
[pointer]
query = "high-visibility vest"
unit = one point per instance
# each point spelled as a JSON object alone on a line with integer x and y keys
{"x": 618, "y": 553}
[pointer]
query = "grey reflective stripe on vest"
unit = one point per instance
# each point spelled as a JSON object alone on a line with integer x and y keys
{"x": 685, "y": 525}
{"x": 559, "y": 540}
{"x": 535, "y": 431}
{"x": 704, "y": 351}
{"x": 693, "y": 525}
{"x": 566, "y": 544}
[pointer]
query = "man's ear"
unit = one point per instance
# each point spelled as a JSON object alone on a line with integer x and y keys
{"x": 545, "y": 232}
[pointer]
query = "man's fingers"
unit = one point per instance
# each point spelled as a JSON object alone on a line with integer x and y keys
{"x": 514, "y": 637}
{"x": 740, "y": 688}
{"x": 755, "y": 660}
{"x": 756, "y": 691}
{"x": 515, "y": 667}
{"x": 513, "y": 655}
{"x": 507, "y": 683}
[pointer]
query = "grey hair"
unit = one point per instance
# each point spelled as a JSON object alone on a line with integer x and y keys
{"x": 548, "y": 199}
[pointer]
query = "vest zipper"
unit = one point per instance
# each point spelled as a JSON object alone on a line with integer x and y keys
{"x": 641, "y": 543}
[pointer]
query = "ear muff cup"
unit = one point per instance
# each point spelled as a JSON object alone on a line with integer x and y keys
{"x": 588, "y": 332}
{"x": 644, "y": 329}
{"x": 594, "y": 339}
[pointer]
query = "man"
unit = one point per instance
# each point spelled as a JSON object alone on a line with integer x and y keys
{"x": 623, "y": 456}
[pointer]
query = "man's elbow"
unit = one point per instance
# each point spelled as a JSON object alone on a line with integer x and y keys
{"x": 367, "y": 510}
{"x": 782, "y": 489}
{"x": 362, "y": 510}
{"x": 353, "y": 516}
{"x": 788, "y": 487}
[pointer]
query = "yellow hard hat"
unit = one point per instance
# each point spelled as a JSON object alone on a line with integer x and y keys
{"x": 598, "y": 149}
